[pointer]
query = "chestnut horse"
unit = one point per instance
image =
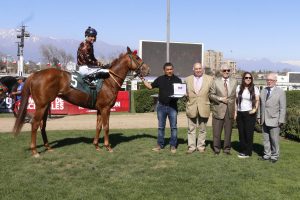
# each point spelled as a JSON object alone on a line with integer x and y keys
{"x": 44, "y": 86}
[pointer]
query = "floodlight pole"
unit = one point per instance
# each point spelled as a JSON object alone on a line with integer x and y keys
{"x": 168, "y": 30}
{"x": 22, "y": 35}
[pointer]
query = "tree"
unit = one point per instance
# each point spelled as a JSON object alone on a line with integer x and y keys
{"x": 56, "y": 57}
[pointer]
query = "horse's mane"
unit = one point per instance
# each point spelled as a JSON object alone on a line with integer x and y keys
{"x": 117, "y": 60}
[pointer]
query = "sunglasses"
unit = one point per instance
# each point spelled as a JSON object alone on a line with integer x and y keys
{"x": 247, "y": 77}
{"x": 226, "y": 70}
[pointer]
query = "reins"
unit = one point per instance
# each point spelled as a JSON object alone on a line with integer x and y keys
{"x": 113, "y": 73}
{"x": 137, "y": 70}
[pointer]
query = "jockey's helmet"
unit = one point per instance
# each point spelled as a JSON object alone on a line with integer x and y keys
{"x": 90, "y": 32}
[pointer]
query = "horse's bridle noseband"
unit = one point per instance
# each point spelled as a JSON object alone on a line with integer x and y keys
{"x": 137, "y": 70}
{"x": 139, "y": 65}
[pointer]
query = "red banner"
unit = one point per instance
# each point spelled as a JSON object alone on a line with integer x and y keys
{"x": 61, "y": 107}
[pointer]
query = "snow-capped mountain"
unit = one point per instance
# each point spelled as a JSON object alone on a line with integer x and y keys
{"x": 265, "y": 64}
{"x": 32, "y": 51}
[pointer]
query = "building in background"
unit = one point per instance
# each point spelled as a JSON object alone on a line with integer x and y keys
{"x": 212, "y": 60}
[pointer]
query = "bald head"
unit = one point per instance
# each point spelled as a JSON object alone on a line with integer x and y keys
{"x": 198, "y": 69}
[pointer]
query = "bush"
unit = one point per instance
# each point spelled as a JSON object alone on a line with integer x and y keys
{"x": 143, "y": 100}
{"x": 293, "y": 99}
{"x": 292, "y": 127}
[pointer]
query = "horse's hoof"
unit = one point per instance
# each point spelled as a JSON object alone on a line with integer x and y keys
{"x": 36, "y": 155}
{"x": 97, "y": 148}
{"x": 48, "y": 148}
{"x": 108, "y": 148}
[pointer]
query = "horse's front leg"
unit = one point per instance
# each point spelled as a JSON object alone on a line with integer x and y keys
{"x": 98, "y": 130}
{"x": 105, "y": 122}
{"x": 43, "y": 130}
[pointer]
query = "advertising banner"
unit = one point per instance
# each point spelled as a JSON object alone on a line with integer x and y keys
{"x": 61, "y": 107}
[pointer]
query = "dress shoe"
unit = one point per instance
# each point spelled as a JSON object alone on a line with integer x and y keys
{"x": 173, "y": 149}
{"x": 190, "y": 151}
{"x": 157, "y": 148}
{"x": 201, "y": 150}
{"x": 273, "y": 160}
{"x": 263, "y": 158}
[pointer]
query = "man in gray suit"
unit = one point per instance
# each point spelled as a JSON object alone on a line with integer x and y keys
{"x": 272, "y": 115}
{"x": 222, "y": 96}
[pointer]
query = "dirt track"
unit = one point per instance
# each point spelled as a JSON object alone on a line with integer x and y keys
{"x": 88, "y": 122}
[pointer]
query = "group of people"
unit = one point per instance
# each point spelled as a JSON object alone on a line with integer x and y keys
{"x": 222, "y": 96}
{"x": 227, "y": 101}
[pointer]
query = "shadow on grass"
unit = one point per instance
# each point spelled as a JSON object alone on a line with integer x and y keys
{"x": 257, "y": 148}
{"x": 114, "y": 138}
{"x": 235, "y": 145}
{"x": 118, "y": 138}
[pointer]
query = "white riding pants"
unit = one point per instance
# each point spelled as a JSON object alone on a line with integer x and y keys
{"x": 85, "y": 70}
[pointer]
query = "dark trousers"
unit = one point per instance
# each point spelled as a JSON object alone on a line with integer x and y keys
{"x": 218, "y": 125}
{"x": 245, "y": 123}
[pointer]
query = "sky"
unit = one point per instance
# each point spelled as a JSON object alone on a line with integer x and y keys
{"x": 241, "y": 29}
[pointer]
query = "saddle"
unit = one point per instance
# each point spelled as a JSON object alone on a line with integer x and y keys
{"x": 77, "y": 82}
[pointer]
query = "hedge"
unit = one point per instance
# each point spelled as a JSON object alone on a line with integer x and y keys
{"x": 292, "y": 127}
{"x": 144, "y": 102}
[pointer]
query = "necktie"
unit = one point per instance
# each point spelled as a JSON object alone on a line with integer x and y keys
{"x": 268, "y": 92}
{"x": 225, "y": 87}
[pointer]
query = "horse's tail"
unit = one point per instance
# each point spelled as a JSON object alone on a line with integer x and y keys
{"x": 20, "y": 119}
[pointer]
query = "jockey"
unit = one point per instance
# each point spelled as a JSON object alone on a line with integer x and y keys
{"x": 89, "y": 66}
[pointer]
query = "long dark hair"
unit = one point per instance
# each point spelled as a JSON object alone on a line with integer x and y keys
{"x": 250, "y": 88}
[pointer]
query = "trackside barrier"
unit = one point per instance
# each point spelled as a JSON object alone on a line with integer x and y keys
{"x": 61, "y": 107}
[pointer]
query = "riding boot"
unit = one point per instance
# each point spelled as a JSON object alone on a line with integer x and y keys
{"x": 101, "y": 74}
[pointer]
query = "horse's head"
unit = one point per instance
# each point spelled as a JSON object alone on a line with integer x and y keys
{"x": 137, "y": 64}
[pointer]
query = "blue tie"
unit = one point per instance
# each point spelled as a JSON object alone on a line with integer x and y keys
{"x": 269, "y": 91}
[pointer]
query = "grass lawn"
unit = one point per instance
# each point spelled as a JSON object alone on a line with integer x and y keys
{"x": 76, "y": 171}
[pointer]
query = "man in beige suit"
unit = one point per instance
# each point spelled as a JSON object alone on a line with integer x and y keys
{"x": 197, "y": 107}
{"x": 222, "y": 97}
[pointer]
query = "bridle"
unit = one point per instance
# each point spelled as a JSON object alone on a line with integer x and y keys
{"x": 139, "y": 65}
{"x": 137, "y": 70}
